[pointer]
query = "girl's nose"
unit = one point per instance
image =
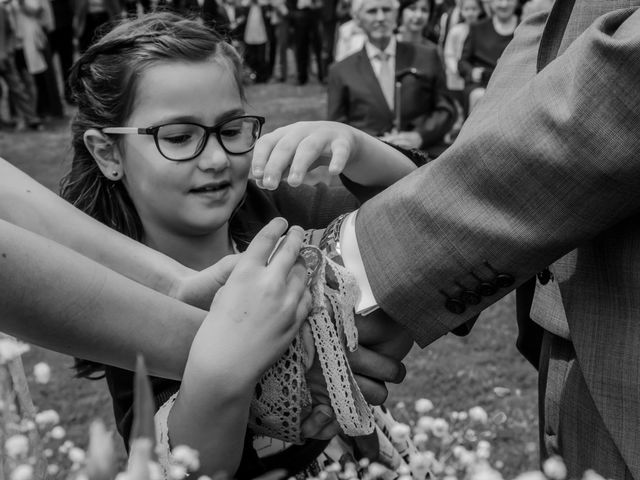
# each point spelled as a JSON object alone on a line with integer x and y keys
{"x": 213, "y": 157}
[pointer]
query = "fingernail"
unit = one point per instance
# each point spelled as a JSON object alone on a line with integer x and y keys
{"x": 294, "y": 179}
{"x": 269, "y": 182}
{"x": 323, "y": 418}
{"x": 258, "y": 171}
{"x": 259, "y": 183}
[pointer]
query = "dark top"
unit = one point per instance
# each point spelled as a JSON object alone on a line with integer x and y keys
{"x": 311, "y": 207}
{"x": 482, "y": 48}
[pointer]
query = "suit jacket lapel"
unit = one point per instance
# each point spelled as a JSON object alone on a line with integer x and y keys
{"x": 370, "y": 82}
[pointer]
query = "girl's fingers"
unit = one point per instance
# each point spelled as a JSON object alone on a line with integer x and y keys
{"x": 340, "y": 153}
{"x": 264, "y": 242}
{"x": 262, "y": 151}
{"x": 279, "y": 160}
{"x": 286, "y": 255}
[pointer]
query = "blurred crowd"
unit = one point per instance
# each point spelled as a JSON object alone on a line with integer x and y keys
{"x": 458, "y": 43}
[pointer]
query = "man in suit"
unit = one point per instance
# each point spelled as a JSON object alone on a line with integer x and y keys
{"x": 362, "y": 86}
{"x": 544, "y": 172}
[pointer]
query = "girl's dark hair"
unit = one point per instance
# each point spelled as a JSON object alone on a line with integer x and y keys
{"x": 103, "y": 83}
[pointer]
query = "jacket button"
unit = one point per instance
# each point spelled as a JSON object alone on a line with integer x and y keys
{"x": 504, "y": 280}
{"x": 544, "y": 276}
{"x": 486, "y": 289}
{"x": 470, "y": 297}
{"x": 455, "y": 306}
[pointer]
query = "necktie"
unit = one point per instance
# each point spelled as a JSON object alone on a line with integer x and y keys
{"x": 386, "y": 78}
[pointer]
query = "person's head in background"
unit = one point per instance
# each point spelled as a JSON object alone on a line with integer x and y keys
{"x": 377, "y": 18}
{"x": 164, "y": 180}
{"x": 471, "y": 10}
{"x": 503, "y": 10}
{"x": 414, "y": 16}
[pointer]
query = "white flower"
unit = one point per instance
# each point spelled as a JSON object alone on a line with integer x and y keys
{"x": 333, "y": 468}
{"x": 47, "y": 418}
{"x": 17, "y": 446}
{"x": 48, "y": 452}
{"x": 53, "y": 469}
{"x": 186, "y": 456}
{"x": 423, "y": 405}
{"x": 440, "y": 427}
{"x": 58, "y": 433}
{"x": 10, "y": 348}
{"x": 483, "y": 471}
{"x": 499, "y": 418}
{"x": 364, "y": 462}
{"x": 177, "y": 472}
{"x": 591, "y": 475}
{"x": 22, "y": 472}
{"x": 462, "y": 416}
{"x": 424, "y": 424}
{"x": 554, "y": 468}
{"x": 501, "y": 391}
{"x": 403, "y": 470}
{"x": 42, "y": 372}
{"x": 478, "y": 414}
{"x": 483, "y": 450}
{"x": 76, "y": 455}
{"x": 420, "y": 463}
{"x": 28, "y": 425}
{"x": 532, "y": 475}
{"x": 400, "y": 405}
{"x": 400, "y": 432}
{"x": 464, "y": 456}
{"x": 376, "y": 470}
{"x": 420, "y": 438}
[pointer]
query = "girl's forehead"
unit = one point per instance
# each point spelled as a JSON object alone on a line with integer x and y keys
{"x": 186, "y": 88}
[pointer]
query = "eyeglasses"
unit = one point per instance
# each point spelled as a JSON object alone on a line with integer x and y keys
{"x": 180, "y": 142}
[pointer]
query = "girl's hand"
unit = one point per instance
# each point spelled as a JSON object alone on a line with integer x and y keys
{"x": 293, "y": 150}
{"x": 198, "y": 288}
{"x": 256, "y": 314}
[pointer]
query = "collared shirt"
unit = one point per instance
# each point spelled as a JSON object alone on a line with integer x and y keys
{"x": 373, "y": 53}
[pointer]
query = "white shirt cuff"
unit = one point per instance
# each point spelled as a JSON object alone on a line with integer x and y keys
{"x": 353, "y": 262}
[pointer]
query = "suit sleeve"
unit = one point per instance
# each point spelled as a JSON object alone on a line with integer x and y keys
{"x": 338, "y": 101}
{"x": 535, "y": 173}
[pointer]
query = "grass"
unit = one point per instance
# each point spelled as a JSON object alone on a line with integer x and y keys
{"x": 455, "y": 373}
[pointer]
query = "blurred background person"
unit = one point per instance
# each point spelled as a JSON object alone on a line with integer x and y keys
{"x": 362, "y": 86}
{"x": 305, "y": 19}
{"x": 281, "y": 25}
{"x": 255, "y": 37}
{"x": 34, "y": 19}
{"x": 350, "y": 37}
{"x": 414, "y": 15}
{"x": 16, "y": 91}
{"x": 470, "y": 11}
{"x": 90, "y": 16}
{"x": 483, "y": 46}
{"x": 61, "y": 41}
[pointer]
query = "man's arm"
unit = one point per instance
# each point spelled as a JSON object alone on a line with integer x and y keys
{"x": 549, "y": 166}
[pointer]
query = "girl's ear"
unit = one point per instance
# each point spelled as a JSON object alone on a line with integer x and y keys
{"x": 105, "y": 152}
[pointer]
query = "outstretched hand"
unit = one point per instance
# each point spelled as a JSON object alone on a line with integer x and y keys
{"x": 293, "y": 150}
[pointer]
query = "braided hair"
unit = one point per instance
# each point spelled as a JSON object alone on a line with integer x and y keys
{"x": 103, "y": 83}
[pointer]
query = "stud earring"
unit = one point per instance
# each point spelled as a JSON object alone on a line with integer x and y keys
{"x": 115, "y": 174}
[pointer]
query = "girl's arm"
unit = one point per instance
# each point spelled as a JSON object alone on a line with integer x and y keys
{"x": 30, "y": 205}
{"x": 233, "y": 349}
{"x": 293, "y": 150}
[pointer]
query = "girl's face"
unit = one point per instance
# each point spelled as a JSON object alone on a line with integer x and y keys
{"x": 470, "y": 10}
{"x": 193, "y": 197}
{"x": 503, "y": 9}
{"x": 415, "y": 16}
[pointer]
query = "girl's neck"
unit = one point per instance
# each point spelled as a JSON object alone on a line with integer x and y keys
{"x": 196, "y": 252}
{"x": 411, "y": 36}
{"x": 506, "y": 26}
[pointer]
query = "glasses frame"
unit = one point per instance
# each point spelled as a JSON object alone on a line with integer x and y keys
{"x": 208, "y": 131}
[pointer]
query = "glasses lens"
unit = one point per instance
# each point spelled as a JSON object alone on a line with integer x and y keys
{"x": 240, "y": 134}
{"x": 180, "y": 141}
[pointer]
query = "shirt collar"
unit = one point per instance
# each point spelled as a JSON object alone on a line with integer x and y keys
{"x": 373, "y": 51}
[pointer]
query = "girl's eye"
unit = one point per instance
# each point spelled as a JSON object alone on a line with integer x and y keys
{"x": 231, "y": 132}
{"x": 177, "y": 139}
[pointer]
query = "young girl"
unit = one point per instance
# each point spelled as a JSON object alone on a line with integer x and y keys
{"x": 162, "y": 150}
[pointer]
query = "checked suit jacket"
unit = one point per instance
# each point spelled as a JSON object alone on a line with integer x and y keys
{"x": 545, "y": 172}
{"x": 356, "y": 98}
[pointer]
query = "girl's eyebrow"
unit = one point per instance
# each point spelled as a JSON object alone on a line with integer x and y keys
{"x": 192, "y": 119}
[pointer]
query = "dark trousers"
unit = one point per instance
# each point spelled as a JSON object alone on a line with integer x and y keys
{"x": 256, "y": 58}
{"x": 61, "y": 43}
{"x": 92, "y": 29}
{"x": 306, "y": 28}
{"x": 19, "y": 96}
{"x": 48, "y": 102}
